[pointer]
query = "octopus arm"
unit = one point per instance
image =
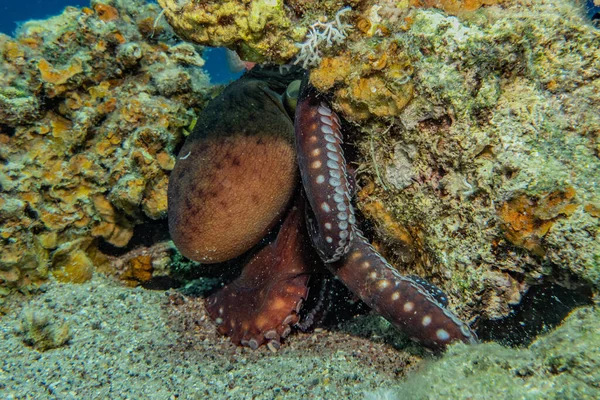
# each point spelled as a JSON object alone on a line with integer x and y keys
{"x": 324, "y": 176}
{"x": 262, "y": 304}
{"x": 400, "y": 299}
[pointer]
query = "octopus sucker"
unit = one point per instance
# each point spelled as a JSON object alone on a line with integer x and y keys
{"x": 265, "y": 296}
{"x": 330, "y": 243}
{"x": 379, "y": 282}
{"x": 238, "y": 176}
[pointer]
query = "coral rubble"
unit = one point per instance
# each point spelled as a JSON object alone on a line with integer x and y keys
{"x": 92, "y": 104}
{"x": 41, "y": 332}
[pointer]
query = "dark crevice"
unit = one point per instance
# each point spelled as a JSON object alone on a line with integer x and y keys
{"x": 542, "y": 308}
{"x": 196, "y": 277}
{"x": 50, "y": 103}
{"x": 178, "y": 146}
{"x": 328, "y": 304}
{"x": 31, "y": 213}
{"x": 144, "y": 235}
{"x": 7, "y": 130}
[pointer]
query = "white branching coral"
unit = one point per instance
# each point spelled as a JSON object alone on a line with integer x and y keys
{"x": 322, "y": 34}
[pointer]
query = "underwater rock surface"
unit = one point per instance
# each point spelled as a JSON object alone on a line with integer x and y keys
{"x": 92, "y": 104}
{"x": 562, "y": 364}
{"x": 477, "y": 131}
{"x": 476, "y": 136}
{"x": 490, "y": 171}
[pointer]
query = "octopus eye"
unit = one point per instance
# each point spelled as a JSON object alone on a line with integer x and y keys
{"x": 290, "y": 97}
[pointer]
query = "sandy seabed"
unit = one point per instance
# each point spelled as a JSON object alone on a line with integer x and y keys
{"x": 134, "y": 343}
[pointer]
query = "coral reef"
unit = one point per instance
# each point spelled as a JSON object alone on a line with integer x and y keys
{"x": 476, "y": 132}
{"x": 274, "y": 30}
{"x": 260, "y": 30}
{"x": 475, "y": 125}
{"x": 491, "y": 166}
{"x": 453, "y": 6}
{"x": 92, "y": 104}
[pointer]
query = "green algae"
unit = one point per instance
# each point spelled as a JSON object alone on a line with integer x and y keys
{"x": 564, "y": 364}
{"x": 505, "y": 107}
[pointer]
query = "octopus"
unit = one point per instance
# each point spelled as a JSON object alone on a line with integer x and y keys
{"x": 266, "y": 155}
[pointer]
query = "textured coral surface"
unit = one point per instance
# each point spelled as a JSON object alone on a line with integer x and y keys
{"x": 259, "y": 30}
{"x": 475, "y": 126}
{"x": 492, "y": 167}
{"x": 477, "y": 130}
{"x": 92, "y": 103}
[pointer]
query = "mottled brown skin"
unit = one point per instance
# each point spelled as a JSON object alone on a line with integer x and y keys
{"x": 223, "y": 194}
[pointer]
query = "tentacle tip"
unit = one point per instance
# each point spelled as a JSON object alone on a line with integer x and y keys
{"x": 273, "y": 346}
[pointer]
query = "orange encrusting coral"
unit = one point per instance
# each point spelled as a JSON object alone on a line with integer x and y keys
{"x": 58, "y": 76}
{"x": 454, "y": 6}
{"x": 257, "y": 30}
{"x": 12, "y": 51}
{"x": 332, "y": 71}
{"x": 396, "y": 237}
{"x": 106, "y": 13}
{"x": 382, "y": 88}
{"x": 375, "y": 210}
{"x": 77, "y": 268}
{"x": 525, "y": 221}
{"x": 138, "y": 269}
{"x": 111, "y": 123}
{"x": 592, "y": 209}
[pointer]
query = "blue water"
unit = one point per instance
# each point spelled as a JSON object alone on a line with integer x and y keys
{"x": 216, "y": 66}
{"x": 592, "y": 10}
{"x": 12, "y": 13}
